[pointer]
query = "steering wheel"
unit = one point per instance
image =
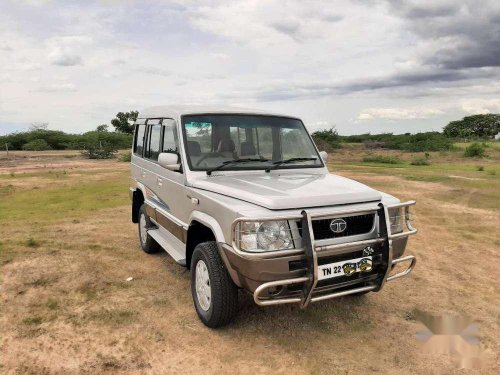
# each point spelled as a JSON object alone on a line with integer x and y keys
{"x": 210, "y": 155}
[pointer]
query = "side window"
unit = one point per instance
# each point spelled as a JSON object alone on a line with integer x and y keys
{"x": 139, "y": 139}
{"x": 170, "y": 143}
{"x": 154, "y": 139}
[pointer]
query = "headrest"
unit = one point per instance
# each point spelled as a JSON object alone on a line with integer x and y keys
{"x": 226, "y": 145}
{"x": 247, "y": 148}
{"x": 194, "y": 148}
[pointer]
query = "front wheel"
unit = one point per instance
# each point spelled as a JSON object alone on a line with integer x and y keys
{"x": 214, "y": 294}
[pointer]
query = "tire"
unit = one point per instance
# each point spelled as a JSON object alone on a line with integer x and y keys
{"x": 148, "y": 244}
{"x": 222, "y": 305}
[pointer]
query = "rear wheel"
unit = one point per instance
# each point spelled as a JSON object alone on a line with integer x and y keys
{"x": 214, "y": 294}
{"x": 148, "y": 244}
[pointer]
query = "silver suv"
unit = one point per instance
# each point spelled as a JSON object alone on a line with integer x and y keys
{"x": 244, "y": 200}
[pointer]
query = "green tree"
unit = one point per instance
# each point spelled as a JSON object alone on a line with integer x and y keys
{"x": 102, "y": 128}
{"x": 326, "y": 140}
{"x": 120, "y": 122}
{"x": 480, "y": 126}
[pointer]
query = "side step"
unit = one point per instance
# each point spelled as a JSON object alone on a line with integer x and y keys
{"x": 170, "y": 244}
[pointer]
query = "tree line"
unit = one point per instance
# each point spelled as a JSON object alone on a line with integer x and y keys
{"x": 470, "y": 128}
{"x": 38, "y": 138}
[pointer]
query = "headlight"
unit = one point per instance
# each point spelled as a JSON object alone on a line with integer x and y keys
{"x": 396, "y": 219}
{"x": 400, "y": 218}
{"x": 264, "y": 236}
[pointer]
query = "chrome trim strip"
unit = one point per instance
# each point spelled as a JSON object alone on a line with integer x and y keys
{"x": 337, "y": 213}
{"x": 346, "y": 245}
{"x": 263, "y": 255}
{"x": 168, "y": 215}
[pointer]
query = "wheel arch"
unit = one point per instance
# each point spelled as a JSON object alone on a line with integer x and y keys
{"x": 202, "y": 228}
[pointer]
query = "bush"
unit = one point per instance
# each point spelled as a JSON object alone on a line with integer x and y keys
{"x": 420, "y": 161}
{"x": 381, "y": 159}
{"x": 99, "y": 151}
{"x": 479, "y": 168}
{"x": 127, "y": 157}
{"x": 475, "y": 150}
{"x": 36, "y": 145}
{"x": 326, "y": 140}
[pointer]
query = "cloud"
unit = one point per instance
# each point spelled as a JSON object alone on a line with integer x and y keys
{"x": 64, "y": 58}
{"x": 458, "y": 35}
{"x": 154, "y": 71}
{"x": 287, "y": 26}
{"x": 398, "y": 113}
{"x": 57, "y": 87}
{"x": 5, "y": 47}
{"x": 63, "y": 49}
{"x": 477, "y": 106}
{"x": 400, "y": 79}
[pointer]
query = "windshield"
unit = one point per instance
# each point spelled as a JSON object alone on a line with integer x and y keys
{"x": 251, "y": 141}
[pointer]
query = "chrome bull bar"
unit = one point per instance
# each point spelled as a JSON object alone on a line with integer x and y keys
{"x": 311, "y": 279}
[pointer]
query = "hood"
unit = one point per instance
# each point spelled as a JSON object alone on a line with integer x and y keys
{"x": 278, "y": 192}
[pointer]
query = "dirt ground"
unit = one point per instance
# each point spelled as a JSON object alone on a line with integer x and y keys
{"x": 67, "y": 248}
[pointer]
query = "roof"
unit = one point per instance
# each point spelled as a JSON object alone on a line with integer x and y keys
{"x": 176, "y": 111}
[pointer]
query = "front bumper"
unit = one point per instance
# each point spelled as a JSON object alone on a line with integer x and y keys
{"x": 292, "y": 276}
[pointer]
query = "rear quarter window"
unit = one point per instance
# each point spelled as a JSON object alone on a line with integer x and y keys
{"x": 139, "y": 139}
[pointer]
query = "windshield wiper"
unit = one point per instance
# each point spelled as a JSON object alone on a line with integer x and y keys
{"x": 276, "y": 164}
{"x": 235, "y": 161}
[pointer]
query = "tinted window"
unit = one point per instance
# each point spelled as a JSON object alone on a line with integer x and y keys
{"x": 139, "y": 139}
{"x": 169, "y": 137}
{"x": 154, "y": 140}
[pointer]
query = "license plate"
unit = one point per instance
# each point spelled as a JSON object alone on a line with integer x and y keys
{"x": 344, "y": 268}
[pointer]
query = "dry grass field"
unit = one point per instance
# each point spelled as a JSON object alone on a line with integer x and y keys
{"x": 67, "y": 247}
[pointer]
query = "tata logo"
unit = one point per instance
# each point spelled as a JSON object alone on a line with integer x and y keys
{"x": 338, "y": 225}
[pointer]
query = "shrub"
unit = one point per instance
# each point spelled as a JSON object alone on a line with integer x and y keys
{"x": 36, "y": 145}
{"x": 99, "y": 151}
{"x": 480, "y": 168}
{"x": 30, "y": 242}
{"x": 381, "y": 159}
{"x": 420, "y": 161}
{"x": 127, "y": 157}
{"x": 474, "y": 150}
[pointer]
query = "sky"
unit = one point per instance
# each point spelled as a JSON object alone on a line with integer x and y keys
{"x": 359, "y": 65}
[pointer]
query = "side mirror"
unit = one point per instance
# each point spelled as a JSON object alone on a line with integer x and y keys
{"x": 324, "y": 155}
{"x": 169, "y": 160}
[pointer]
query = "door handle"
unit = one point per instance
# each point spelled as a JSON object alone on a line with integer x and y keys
{"x": 160, "y": 181}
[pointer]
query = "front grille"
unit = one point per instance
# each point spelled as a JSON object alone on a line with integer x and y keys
{"x": 359, "y": 224}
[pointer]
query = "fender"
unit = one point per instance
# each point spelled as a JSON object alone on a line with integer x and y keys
{"x": 210, "y": 222}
